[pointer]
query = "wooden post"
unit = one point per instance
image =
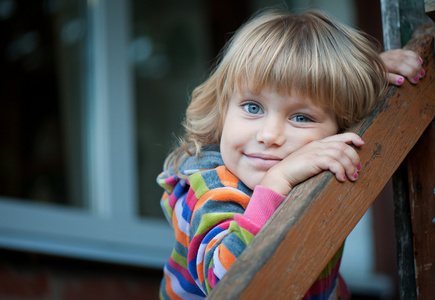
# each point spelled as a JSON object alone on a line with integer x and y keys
{"x": 291, "y": 250}
{"x": 413, "y": 282}
{"x": 404, "y": 236}
{"x": 421, "y": 177}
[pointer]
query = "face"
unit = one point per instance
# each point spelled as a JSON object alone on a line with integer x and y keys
{"x": 262, "y": 129}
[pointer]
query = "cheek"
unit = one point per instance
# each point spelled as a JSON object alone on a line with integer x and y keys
{"x": 231, "y": 132}
{"x": 227, "y": 145}
{"x": 231, "y": 145}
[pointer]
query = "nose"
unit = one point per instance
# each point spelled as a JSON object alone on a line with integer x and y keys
{"x": 271, "y": 133}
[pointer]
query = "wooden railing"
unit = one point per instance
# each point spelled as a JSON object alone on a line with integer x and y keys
{"x": 294, "y": 246}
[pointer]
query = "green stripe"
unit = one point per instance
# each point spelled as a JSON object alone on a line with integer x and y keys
{"x": 179, "y": 259}
{"x": 244, "y": 235}
{"x": 168, "y": 188}
{"x": 167, "y": 207}
{"x": 198, "y": 184}
{"x": 211, "y": 219}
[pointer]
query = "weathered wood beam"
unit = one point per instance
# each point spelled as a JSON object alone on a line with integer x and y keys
{"x": 391, "y": 24}
{"x": 291, "y": 250}
{"x": 429, "y": 7}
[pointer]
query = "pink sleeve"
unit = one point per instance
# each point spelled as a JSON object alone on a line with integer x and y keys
{"x": 262, "y": 205}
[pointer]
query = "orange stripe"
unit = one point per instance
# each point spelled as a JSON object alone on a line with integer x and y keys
{"x": 200, "y": 270}
{"x": 169, "y": 290}
{"x": 226, "y": 257}
{"x": 226, "y": 177}
{"x": 181, "y": 237}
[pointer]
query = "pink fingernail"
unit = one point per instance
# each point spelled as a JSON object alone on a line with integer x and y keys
{"x": 420, "y": 61}
{"x": 344, "y": 177}
{"x": 400, "y": 80}
{"x": 358, "y": 167}
{"x": 362, "y": 140}
{"x": 416, "y": 79}
{"x": 355, "y": 175}
{"x": 422, "y": 73}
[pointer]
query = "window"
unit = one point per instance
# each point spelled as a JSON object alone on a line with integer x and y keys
{"x": 42, "y": 101}
{"x": 69, "y": 159}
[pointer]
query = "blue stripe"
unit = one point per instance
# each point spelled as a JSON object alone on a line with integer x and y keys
{"x": 186, "y": 213}
{"x": 186, "y": 285}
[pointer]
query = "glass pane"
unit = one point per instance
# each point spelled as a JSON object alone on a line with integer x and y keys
{"x": 41, "y": 70}
{"x": 169, "y": 45}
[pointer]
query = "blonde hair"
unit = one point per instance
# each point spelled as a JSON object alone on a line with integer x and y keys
{"x": 335, "y": 66}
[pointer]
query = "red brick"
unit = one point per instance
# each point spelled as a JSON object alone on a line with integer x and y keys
{"x": 28, "y": 284}
{"x": 91, "y": 288}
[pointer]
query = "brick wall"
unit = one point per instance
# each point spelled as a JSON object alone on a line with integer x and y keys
{"x": 29, "y": 276}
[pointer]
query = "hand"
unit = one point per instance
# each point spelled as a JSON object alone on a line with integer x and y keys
{"x": 333, "y": 153}
{"x": 402, "y": 63}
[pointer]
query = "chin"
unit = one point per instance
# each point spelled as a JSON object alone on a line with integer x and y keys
{"x": 251, "y": 183}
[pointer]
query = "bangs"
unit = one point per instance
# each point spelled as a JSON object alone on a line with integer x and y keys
{"x": 308, "y": 54}
{"x": 284, "y": 57}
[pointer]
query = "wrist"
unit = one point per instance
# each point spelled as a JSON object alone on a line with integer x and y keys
{"x": 276, "y": 184}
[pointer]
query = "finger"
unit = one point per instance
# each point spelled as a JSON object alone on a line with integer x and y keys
{"x": 347, "y": 157}
{"x": 411, "y": 70}
{"x": 395, "y": 79}
{"x": 347, "y": 137}
{"x": 342, "y": 170}
{"x": 415, "y": 77}
{"x": 338, "y": 157}
{"x": 398, "y": 80}
{"x": 398, "y": 56}
{"x": 403, "y": 63}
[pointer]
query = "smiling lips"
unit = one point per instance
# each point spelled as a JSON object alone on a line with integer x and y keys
{"x": 263, "y": 160}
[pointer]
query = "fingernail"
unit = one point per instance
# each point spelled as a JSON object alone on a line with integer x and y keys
{"x": 362, "y": 140}
{"x": 355, "y": 175}
{"x": 358, "y": 167}
{"x": 416, "y": 79}
{"x": 422, "y": 73}
{"x": 344, "y": 177}
{"x": 420, "y": 60}
{"x": 400, "y": 80}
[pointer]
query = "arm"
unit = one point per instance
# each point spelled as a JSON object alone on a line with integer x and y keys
{"x": 220, "y": 228}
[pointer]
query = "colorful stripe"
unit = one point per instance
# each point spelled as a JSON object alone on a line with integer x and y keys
{"x": 211, "y": 231}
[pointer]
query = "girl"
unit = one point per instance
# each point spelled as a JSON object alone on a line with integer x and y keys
{"x": 266, "y": 119}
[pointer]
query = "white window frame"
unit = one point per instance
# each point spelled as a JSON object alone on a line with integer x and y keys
{"x": 110, "y": 228}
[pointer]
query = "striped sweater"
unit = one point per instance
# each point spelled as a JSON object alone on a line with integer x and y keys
{"x": 215, "y": 216}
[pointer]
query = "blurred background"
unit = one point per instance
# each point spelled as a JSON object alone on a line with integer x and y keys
{"x": 91, "y": 99}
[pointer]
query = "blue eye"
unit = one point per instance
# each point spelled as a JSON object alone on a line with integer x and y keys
{"x": 252, "y": 108}
{"x": 301, "y": 119}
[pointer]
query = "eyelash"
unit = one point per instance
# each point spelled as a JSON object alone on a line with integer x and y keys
{"x": 309, "y": 119}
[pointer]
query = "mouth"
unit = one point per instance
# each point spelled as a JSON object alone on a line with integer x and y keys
{"x": 263, "y": 160}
